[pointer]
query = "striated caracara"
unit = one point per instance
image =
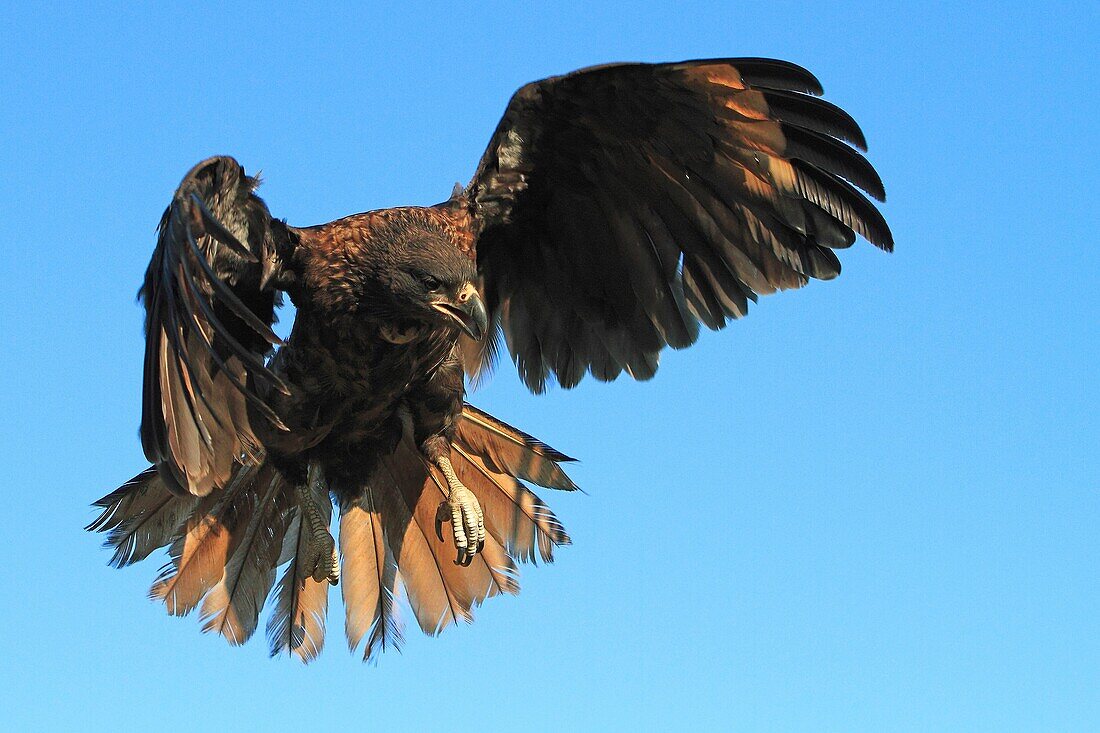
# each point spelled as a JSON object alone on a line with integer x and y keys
{"x": 615, "y": 209}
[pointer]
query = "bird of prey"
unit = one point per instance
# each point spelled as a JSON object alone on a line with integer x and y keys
{"x": 615, "y": 210}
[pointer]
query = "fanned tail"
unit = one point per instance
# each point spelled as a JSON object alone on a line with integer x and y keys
{"x": 389, "y": 534}
{"x": 224, "y": 548}
{"x": 490, "y": 457}
{"x": 201, "y": 548}
{"x": 512, "y": 450}
{"x": 514, "y": 515}
{"x": 232, "y": 607}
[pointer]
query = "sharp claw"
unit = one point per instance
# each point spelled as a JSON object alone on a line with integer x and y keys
{"x": 334, "y": 572}
{"x": 441, "y": 518}
{"x": 468, "y": 525}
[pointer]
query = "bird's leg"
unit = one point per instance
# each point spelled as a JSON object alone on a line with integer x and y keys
{"x": 321, "y": 561}
{"x": 464, "y": 512}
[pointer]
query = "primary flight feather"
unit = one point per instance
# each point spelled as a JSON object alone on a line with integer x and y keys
{"x": 615, "y": 209}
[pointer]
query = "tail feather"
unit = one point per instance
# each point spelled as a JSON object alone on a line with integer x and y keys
{"x": 512, "y": 451}
{"x": 500, "y": 572}
{"x": 225, "y": 548}
{"x": 140, "y": 517}
{"x": 297, "y": 624}
{"x": 501, "y": 566}
{"x": 232, "y": 607}
{"x": 369, "y": 572}
{"x": 472, "y": 584}
{"x": 201, "y": 549}
{"x": 433, "y": 602}
{"x": 514, "y": 515}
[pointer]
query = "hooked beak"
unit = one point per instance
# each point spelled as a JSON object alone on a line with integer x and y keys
{"x": 467, "y": 310}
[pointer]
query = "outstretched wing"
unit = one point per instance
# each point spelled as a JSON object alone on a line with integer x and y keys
{"x": 620, "y": 206}
{"x": 210, "y": 302}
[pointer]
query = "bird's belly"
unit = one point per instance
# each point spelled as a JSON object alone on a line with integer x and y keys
{"x": 345, "y": 401}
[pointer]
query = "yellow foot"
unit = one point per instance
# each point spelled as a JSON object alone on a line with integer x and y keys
{"x": 463, "y": 511}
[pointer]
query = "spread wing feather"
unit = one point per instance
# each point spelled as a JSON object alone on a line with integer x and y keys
{"x": 209, "y": 306}
{"x": 619, "y": 206}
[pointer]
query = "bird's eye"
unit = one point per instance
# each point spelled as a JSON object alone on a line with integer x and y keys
{"x": 430, "y": 282}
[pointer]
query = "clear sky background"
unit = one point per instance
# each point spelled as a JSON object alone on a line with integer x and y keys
{"x": 874, "y": 504}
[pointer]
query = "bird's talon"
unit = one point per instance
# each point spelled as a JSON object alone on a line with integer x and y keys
{"x": 442, "y": 516}
{"x": 322, "y": 561}
{"x": 463, "y": 510}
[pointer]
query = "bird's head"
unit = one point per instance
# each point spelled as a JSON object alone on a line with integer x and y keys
{"x": 436, "y": 283}
{"x": 415, "y": 275}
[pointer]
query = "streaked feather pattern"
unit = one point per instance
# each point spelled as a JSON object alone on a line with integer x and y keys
{"x": 439, "y": 591}
{"x": 297, "y": 623}
{"x": 469, "y": 585}
{"x": 420, "y": 571}
{"x": 224, "y": 555}
{"x": 512, "y": 450}
{"x": 514, "y": 515}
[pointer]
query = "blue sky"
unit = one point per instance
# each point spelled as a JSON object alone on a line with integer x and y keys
{"x": 871, "y": 505}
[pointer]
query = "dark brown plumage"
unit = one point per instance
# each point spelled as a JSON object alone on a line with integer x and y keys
{"x": 615, "y": 209}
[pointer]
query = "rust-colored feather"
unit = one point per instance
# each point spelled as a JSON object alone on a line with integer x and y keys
{"x": 198, "y": 560}
{"x": 512, "y": 450}
{"x": 514, "y": 515}
{"x": 472, "y": 584}
{"x": 199, "y": 555}
{"x": 421, "y": 573}
{"x": 369, "y": 578}
{"x": 232, "y": 607}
